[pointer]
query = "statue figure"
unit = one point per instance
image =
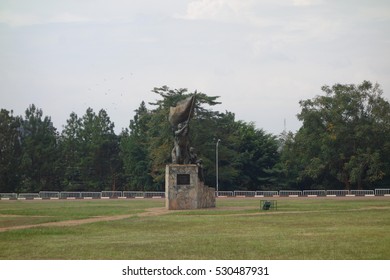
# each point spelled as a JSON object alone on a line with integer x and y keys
{"x": 180, "y": 151}
{"x": 179, "y": 118}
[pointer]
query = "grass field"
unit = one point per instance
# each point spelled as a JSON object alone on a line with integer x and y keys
{"x": 301, "y": 228}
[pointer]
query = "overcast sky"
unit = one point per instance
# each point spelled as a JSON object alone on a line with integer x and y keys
{"x": 260, "y": 57}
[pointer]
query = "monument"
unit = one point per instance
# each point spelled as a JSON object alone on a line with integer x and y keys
{"x": 184, "y": 181}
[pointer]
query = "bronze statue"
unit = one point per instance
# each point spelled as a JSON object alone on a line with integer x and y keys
{"x": 179, "y": 118}
{"x": 180, "y": 151}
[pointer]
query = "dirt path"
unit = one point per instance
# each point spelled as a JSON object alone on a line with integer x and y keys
{"x": 148, "y": 213}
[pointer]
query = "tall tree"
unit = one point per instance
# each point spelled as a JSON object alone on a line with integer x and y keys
{"x": 71, "y": 146}
{"x": 257, "y": 156}
{"x": 91, "y": 149}
{"x": 39, "y": 161}
{"x": 10, "y": 151}
{"x": 134, "y": 152}
{"x": 345, "y": 135}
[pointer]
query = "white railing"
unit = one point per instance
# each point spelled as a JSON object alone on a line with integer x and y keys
{"x": 28, "y": 195}
{"x": 112, "y": 194}
{"x": 244, "y": 193}
{"x": 156, "y": 194}
{"x": 49, "y": 194}
{"x": 70, "y": 195}
{"x": 382, "y": 192}
{"x": 337, "y": 192}
{"x": 8, "y": 195}
{"x": 91, "y": 195}
{"x": 133, "y": 194}
{"x": 224, "y": 193}
{"x": 266, "y": 193}
{"x": 362, "y": 192}
{"x": 314, "y": 193}
{"x": 290, "y": 193}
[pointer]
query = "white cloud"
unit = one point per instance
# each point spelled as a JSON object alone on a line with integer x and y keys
{"x": 67, "y": 18}
{"x": 18, "y": 19}
{"x": 305, "y": 2}
{"x": 219, "y": 10}
{"x": 25, "y": 19}
{"x": 233, "y": 10}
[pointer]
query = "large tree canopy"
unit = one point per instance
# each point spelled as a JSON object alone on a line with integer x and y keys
{"x": 10, "y": 151}
{"x": 90, "y": 153}
{"x": 345, "y": 137}
{"x": 344, "y": 142}
{"x": 246, "y": 154}
{"x": 40, "y": 155}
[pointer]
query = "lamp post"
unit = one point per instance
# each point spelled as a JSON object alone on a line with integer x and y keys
{"x": 216, "y": 164}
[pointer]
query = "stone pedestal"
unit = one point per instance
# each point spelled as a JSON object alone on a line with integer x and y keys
{"x": 184, "y": 189}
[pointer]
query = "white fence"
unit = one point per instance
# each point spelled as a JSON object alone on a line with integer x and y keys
{"x": 266, "y": 193}
{"x": 154, "y": 194}
{"x": 28, "y": 195}
{"x": 290, "y": 193}
{"x": 132, "y": 194}
{"x": 49, "y": 195}
{"x": 244, "y": 193}
{"x": 91, "y": 195}
{"x": 337, "y": 192}
{"x": 139, "y": 194}
{"x": 224, "y": 193}
{"x": 382, "y": 192}
{"x": 7, "y": 196}
{"x": 70, "y": 195}
{"x": 362, "y": 192}
{"x": 112, "y": 194}
{"x": 314, "y": 193}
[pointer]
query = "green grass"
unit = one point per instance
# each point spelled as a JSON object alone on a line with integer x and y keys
{"x": 322, "y": 228}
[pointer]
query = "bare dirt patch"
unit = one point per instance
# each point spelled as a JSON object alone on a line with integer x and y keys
{"x": 154, "y": 212}
{"x": 148, "y": 213}
{"x": 18, "y": 216}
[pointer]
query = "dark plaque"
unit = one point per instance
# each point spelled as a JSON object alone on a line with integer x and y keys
{"x": 183, "y": 179}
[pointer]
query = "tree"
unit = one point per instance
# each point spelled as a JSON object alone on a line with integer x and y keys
{"x": 345, "y": 135}
{"x": 134, "y": 151}
{"x": 10, "y": 151}
{"x": 39, "y": 159}
{"x": 91, "y": 151}
{"x": 71, "y": 149}
{"x": 210, "y": 127}
{"x": 257, "y": 156}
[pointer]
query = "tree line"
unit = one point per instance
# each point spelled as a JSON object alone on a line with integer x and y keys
{"x": 343, "y": 143}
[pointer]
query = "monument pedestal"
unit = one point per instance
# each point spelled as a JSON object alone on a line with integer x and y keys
{"x": 184, "y": 189}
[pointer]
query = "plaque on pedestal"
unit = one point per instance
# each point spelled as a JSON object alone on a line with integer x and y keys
{"x": 185, "y": 190}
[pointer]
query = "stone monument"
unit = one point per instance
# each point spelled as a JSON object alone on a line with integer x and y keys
{"x": 184, "y": 183}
